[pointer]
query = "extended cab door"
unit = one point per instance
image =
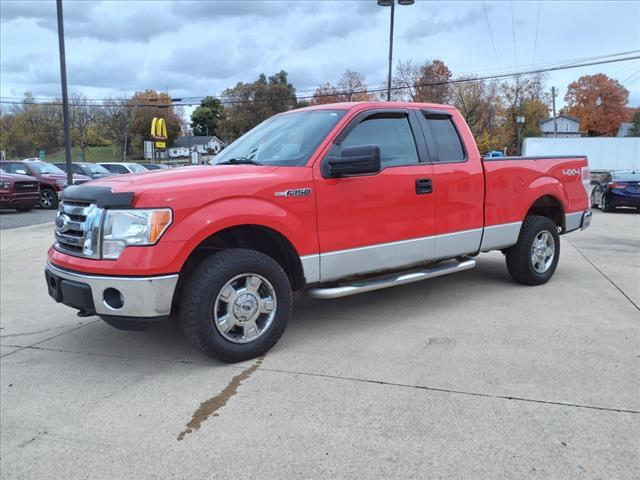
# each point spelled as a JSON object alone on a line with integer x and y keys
{"x": 458, "y": 182}
{"x": 374, "y": 222}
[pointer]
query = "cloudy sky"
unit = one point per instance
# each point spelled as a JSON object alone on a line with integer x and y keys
{"x": 199, "y": 48}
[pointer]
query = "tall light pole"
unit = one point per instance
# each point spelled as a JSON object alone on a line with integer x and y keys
{"x": 65, "y": 97}
{"x": 392, "y": 4}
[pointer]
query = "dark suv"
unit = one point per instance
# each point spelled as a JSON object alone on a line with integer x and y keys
{"x": 51, "y": 179}
{"x": 18, "y": 191}
{"x": 91, "y": 170}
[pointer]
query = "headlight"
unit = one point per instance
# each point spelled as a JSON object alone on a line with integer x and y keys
{"x": 132, "y": 227}
{"x": 61, "y": 183}
{"x": 5, "y": 185}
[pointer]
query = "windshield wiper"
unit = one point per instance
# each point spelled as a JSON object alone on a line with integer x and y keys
{"x": 239, "y": 161}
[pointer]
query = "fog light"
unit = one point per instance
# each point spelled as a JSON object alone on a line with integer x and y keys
{"x": 113, "y": 298}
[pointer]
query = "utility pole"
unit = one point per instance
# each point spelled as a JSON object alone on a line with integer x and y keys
{"x": 393, "y": 6}
{"x": 65, "y": 97}
{"x": 555, "y": 121}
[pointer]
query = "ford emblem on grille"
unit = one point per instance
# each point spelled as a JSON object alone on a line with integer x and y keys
{"x": 62, "y": 222}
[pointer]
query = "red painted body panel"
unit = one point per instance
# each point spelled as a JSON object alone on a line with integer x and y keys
{"x": 514, "y": 185}
{"x": 339, "y": 213}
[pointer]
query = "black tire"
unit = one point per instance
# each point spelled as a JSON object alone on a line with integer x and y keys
{"x": 48, "y": 199}
{"x": 593, "y": 200}
{"x": 604, "y": 206}
{"x": 205, "y": 284}
{"x": 519, "y": 261}
{"x": 24, "y": 209}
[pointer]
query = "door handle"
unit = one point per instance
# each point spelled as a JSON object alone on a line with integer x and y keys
{"x": 423, "y": 185}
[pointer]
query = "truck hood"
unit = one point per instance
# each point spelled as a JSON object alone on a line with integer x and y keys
{"x": 183, "y": 176}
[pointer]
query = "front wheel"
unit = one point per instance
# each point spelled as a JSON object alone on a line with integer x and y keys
{"x": 48, "y": 199}
{"x": 594, "y": 204}
{"x": 533, "y": 260}
{"x": 236, "y": 304}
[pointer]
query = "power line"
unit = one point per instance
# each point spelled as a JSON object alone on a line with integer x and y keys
{"x": 507, "y": 71}
{"x": 378, "y": 90}
{"x": 535, "y": 42}
{"x": 513, "y": 36}
{"x": 493, "y": 43}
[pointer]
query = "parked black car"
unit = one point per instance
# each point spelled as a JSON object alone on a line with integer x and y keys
{"x": 92, "y": 170}
{"x": 616, "y": 189}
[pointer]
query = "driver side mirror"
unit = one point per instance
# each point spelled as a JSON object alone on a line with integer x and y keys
{"x": 363, "y": 159}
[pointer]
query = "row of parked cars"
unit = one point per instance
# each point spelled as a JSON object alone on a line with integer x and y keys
{"x": 29, "y": 183}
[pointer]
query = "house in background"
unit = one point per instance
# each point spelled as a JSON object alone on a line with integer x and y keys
{"x": 568, "y": 127}
{"x": 200, "y": 143}
{"x": 623, "y": 131}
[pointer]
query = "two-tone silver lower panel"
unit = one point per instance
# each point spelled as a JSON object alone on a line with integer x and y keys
{"x": 339, "y": 264}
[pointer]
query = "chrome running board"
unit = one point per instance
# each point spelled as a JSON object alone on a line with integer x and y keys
{"x": 401, "y": 278}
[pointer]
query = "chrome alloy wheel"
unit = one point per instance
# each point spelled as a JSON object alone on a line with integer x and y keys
{"x": 46, "y": 198}
{"x": 543, "y": 251}
{"x": 245, "y": 308}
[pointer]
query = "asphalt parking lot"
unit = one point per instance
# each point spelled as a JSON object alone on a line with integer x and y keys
{"x": 465, "y": 376}
{"x": 14, "y": 219}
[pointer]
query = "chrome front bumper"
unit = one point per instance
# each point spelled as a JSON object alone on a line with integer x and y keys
{"x": 136, "y": 297}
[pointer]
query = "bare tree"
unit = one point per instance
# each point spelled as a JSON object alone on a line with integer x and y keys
{"x": 82, "y": 123}
{"x": 353, "y": 87}
{"x": 116, "y": 121}
{"x": 404, "y": 82}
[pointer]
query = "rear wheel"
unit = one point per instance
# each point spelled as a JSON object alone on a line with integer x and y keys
{"x": 605, "y": 207}
{"x": 48, "y": 199}
{"x": 236, "y": 304}
{"x": 533, "y": 260}
{"x": 594, "y": 204}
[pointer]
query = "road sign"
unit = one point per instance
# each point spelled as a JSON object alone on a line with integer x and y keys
{"x": 161, "y": 145}
{"x": 41, "y": 154}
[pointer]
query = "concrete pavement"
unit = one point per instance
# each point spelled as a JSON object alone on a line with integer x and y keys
{"x": 466, "y": 376}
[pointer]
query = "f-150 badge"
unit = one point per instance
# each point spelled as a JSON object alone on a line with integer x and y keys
{"x": 294, "y": 192}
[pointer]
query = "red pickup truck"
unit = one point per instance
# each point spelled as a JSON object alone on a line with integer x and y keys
{"x": 330, "y": 200}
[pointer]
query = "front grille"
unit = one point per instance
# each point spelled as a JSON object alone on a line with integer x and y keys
{"x": 25, "y": 186}
{"x": 78, "y": 228}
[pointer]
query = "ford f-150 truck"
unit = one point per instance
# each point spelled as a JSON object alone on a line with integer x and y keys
{"x": 329, "y": 200}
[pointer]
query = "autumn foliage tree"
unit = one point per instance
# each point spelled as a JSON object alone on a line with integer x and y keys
{"x": 433, "y": 83}
{"x": 599, "y": 102}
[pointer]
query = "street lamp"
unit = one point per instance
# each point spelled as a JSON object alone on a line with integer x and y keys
{"x": 520, "y": 123}
{"x": 391, "y": 3}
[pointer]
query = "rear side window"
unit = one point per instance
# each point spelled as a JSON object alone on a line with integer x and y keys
{"x": 392, "y": 135}
{"x": 447, "y": 141}
{"x": 15, "y": 168}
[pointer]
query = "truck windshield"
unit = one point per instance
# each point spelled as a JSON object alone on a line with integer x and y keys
{"x": 284, "y": 140}
{"x": 44, "y": 168}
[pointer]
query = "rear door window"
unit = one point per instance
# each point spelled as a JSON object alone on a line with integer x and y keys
{"x": 445, "y": 140}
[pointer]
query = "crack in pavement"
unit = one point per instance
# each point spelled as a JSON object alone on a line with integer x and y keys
{"x": 30, "y": 333}
{"x": 457, "y": 392}
{"x": 211, "y": 406}
{"x": 33, "y": 345}
{"x": 604, "y": 275}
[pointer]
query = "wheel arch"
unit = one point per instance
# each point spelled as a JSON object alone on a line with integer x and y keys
{"x": 251, "y": 236}
{"x": 550, "y": 206}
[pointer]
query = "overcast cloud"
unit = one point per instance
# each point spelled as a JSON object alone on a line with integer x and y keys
{"x": 199, "y": 48}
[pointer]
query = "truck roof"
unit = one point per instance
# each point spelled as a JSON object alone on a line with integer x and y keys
{"x": 365, "y": 105}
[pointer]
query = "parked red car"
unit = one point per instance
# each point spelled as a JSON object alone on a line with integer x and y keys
{"x": 19, "y": 192}
{"x": 51, "y": 179}
{"x": 330, "y": 200}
